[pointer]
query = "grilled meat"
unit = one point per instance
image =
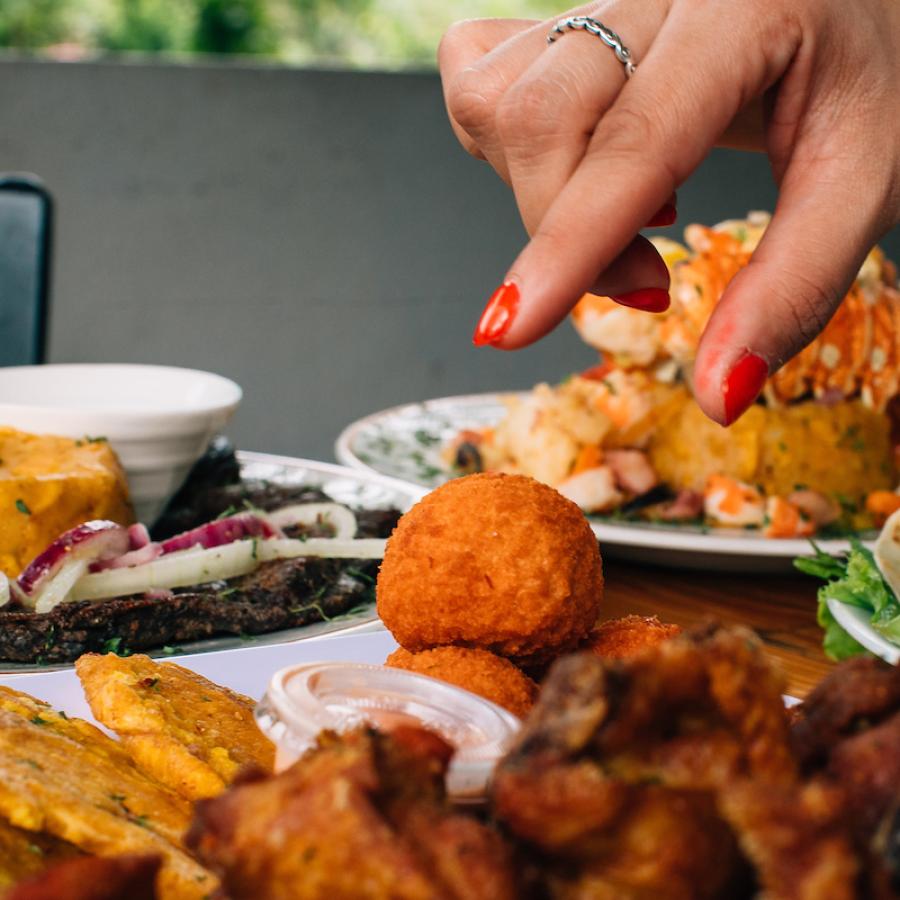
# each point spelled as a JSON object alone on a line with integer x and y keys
{"x": 278, "y": 595}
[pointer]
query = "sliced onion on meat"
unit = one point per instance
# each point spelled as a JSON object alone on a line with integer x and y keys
{"x": 338, "y": 516}
{"x": 47, "y": 579}
{"x": 217, "y": 564}
{"x": 4, "y": 589}
{"x": 223, "y": 531}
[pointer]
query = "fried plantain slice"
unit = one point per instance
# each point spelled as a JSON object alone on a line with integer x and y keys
{"x": 187, "y": 732}
{"x": 64, "y": 777}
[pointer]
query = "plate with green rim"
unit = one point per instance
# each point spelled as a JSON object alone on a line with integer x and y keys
{"x": 406, "y": 442}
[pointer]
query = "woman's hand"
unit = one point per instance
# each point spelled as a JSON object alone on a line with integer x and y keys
{"x": 593, "y": 157}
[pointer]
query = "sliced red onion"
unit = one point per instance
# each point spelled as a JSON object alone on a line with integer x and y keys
{"x": 138, "y": 557}
{"x": 67, "y": 559}
{"x": 4, "y": 589}
{"x": 338, "y": 516}
{"x": 217, "y": 564}
{"x": 222, "y": 531}
{"x": 138, "y": 536}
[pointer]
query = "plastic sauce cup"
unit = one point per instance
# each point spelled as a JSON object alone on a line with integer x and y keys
{"x": 306, "y": 699}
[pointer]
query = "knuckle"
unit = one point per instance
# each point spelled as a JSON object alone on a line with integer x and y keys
{"x": 472, "y": 99}
{"x": 529, "y": 110}
{"x": 630, "y": 133}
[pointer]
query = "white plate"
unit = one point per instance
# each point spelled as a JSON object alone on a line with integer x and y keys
{"x": 352, "y": 487}
{"x": 405, "y": 442}
{"x": 856, "y": 622}
{"x": 246, "y": 670}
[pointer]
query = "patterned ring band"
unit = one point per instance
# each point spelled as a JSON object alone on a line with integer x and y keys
{"x": 598, "y": 29}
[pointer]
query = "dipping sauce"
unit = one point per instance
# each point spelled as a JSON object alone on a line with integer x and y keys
{"x": 306, "y": 699}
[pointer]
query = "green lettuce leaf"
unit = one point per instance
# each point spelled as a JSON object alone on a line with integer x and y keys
{"x": 853, "y": 579}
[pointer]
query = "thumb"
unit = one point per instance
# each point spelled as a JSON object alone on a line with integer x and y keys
{"x": 796, "y": 279}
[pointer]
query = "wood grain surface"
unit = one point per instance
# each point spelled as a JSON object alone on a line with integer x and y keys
{"x": 781, "y": 609}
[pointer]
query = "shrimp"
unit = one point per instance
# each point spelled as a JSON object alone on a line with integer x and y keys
{"x": 731, "y": 502}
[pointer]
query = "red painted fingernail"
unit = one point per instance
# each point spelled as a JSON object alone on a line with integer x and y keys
{"x": 665, "y": 215}
{"x": 743, "y": 384}
{"x": 648, "y": 299}
{"x": 498, "y": 315}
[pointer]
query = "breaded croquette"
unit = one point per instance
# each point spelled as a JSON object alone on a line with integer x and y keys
{"x": 499, "y": 562}
{"x": 621, "y": 638}
{"x": 483, "y": 673}
{"x": 189, "y": 733}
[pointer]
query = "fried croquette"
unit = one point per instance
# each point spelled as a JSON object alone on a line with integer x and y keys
{"x": 483, "y": 673}
{"x": 362, "y": 816}
{"x": 189, "y": 733}
{"x": 499, "y": 562}
{"x": 628, "y": 636}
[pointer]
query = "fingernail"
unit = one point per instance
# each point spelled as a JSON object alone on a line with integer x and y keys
{"x": 742, "y": 385}
{"x": 665, "y": 215}
{"x": 648, "y": 299}
{"x": 498, "y": 315}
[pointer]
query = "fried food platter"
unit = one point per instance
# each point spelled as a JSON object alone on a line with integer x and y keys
{"x": 357, "y": 489}
{"x": 405, "y": 442}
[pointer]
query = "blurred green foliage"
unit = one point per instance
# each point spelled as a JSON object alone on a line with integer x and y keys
{"x": 370, "y": 33}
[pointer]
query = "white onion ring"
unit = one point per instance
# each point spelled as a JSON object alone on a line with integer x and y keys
{"x": 58, "y": 588}
{"x": 216, "y": 564}
{"x": 340, "y": 517}
{"x": 4, "y": 589}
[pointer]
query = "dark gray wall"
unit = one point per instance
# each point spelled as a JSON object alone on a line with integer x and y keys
{"x": 317, "y": 236}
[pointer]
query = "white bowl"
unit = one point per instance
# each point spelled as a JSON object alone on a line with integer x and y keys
{"x": 158, "y": 419}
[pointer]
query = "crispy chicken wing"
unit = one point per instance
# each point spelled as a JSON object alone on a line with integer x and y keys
{"x": 93, "y": 878}
{"x": 362, "y": 816}
{"x": 618, "y": 773}
{"x": 24, "y": 854}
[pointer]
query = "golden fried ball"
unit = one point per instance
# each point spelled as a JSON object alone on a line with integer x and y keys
{"x": 628, "y": 636}
{"x": 500, "y": 562}
{"x": 479, "y": 671}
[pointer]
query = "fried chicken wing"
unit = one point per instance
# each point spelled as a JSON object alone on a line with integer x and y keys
{"x": 361, "y": 816}
{"x": 189, "y": 733}
{"x": 797, "y": 839}
{"x": 24, "y": 854}
{"x": 93, "y": 878}
{"x": 617, "y": 771}
{"x": 66, "y": 778}
{"x": 859, "y": 692}
{"x": 847, "y": 734}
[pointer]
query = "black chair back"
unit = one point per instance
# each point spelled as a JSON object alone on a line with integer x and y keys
{"x": 26, "y": 213}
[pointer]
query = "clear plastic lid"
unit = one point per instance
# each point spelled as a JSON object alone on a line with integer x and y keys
{"x": 306, "y": 699}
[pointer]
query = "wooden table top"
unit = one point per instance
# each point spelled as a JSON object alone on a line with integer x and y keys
{"x": 780, "y": 608}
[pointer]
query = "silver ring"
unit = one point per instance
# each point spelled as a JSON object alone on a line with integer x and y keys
{"x": 598, "y": 29}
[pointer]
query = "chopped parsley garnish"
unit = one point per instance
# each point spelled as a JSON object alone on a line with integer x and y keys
{"x": 22, "y": 507}
{"x": 114, "y": 645}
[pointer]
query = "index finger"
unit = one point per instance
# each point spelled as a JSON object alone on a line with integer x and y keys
{"x": 694, "y": 80}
